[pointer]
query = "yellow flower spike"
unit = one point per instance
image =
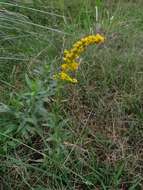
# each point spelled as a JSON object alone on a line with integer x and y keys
{"x": 78, "y": 47}
{"x": 70, "y": 56}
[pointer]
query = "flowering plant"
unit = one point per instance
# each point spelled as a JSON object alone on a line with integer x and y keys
{"x": 70, "y": 56}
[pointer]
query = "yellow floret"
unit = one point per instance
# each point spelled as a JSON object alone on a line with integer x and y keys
{"x": 70, "y": 66}
{"x": 99, "y": 38}
{"x": 64, "y": 76}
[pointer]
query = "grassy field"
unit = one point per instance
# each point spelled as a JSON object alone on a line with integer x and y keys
{"x": 60, "y": 136}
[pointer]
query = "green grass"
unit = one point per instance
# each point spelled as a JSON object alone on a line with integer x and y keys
{"x": 65, "y": 136}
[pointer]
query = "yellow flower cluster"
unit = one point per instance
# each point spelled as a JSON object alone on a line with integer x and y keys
{"x": 63, "y": 76}
{"x": 71, "y": 56}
